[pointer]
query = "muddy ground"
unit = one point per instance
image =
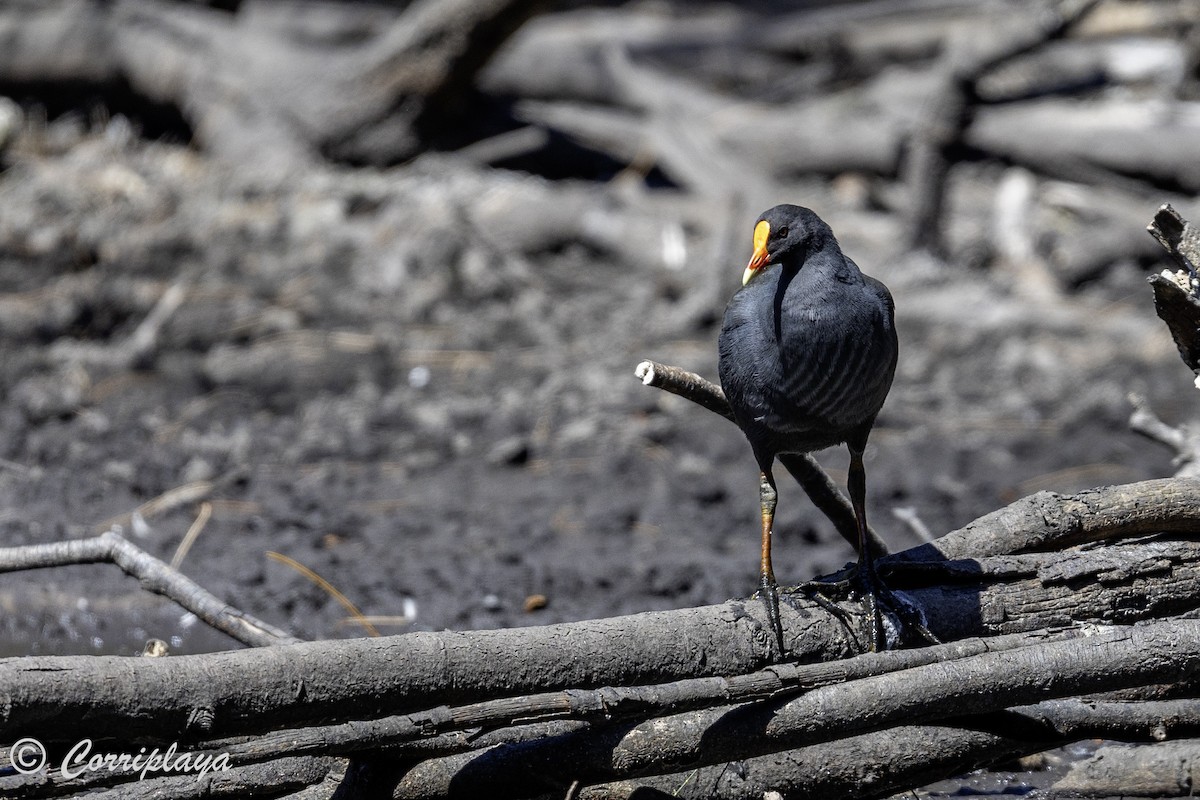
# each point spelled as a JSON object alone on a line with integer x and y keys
{"x": 369, "y": 375}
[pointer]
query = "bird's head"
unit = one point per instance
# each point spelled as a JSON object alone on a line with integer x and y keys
{"x": 784, "y": 234}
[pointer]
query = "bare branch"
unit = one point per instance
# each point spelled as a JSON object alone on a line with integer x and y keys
{"x": 447, "y": 730}
{"x": 803, "y": 467}
{"x": 154, "y": 576}
{"x": 1184, "y": 440}
{"x": 251, "y": 691}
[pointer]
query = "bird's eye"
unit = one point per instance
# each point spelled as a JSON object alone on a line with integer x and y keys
{"x": 782, "y": 233}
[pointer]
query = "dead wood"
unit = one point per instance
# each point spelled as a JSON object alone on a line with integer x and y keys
{"x": 445, "y": 730}
{"x": 1048, "y": 520}
{"x": 1176, "y": 293}
{"x": 1168, "y": 769}
{"x": 870, "y": 765}
{"x": 237, "y": 693}
{"x": 1184, "y": 440}
{"x": 1085, "y": 228}
{"x": 562, "y": 55}
{"x": 260, "y": 88}
{"x": 1096, "y": 141}
{"x": 1113, "y": 658}
{"x": 154, "y": 576}
{"x": 967, "y": 58}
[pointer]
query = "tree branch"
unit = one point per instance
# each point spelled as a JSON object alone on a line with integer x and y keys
{"x": 154, "y": 575}
{"x": 447, "y": 730}
{"x": 967, "y": 58}
{"x": 803, "y": 467}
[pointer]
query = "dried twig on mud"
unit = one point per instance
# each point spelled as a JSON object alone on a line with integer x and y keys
{"x": 135, "y": 350}
{"x": 154, "y": 576}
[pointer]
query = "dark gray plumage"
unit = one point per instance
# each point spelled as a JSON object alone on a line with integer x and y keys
{"x": 807, "y": 353}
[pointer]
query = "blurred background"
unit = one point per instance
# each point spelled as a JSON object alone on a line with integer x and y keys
{"x": 365, "y": 284}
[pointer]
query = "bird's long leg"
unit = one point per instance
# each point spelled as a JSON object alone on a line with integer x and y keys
{"x": 856, "y": 483}
{"x": 767, "y": 498}
{"x": 874, "y": 590}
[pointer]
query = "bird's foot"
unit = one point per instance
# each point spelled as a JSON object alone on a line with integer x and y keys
{"x": 878, "y": 598}
{"x": 768, "y": 590}
{"x": 865, "y": 584}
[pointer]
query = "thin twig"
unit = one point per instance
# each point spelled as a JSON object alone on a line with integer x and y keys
{"x": 193, "y": 532}
{"x": 134, "y": 350}
{"x": 154, "y": 575}
{"x": 167, "y": 501}
{"x": 909, "y": 516}
{"x": 328, "y": 588}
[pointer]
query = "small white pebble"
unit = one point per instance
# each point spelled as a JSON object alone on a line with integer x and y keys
{"x": 418, "y": 377}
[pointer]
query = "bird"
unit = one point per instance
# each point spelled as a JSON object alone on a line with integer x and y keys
{"x": 806, "y": 355}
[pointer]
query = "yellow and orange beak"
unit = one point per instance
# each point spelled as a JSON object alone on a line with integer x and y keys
{"x": 762, "y": 231}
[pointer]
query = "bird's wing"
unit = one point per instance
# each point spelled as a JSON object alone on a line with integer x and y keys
{"x": 837, "y": 363}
